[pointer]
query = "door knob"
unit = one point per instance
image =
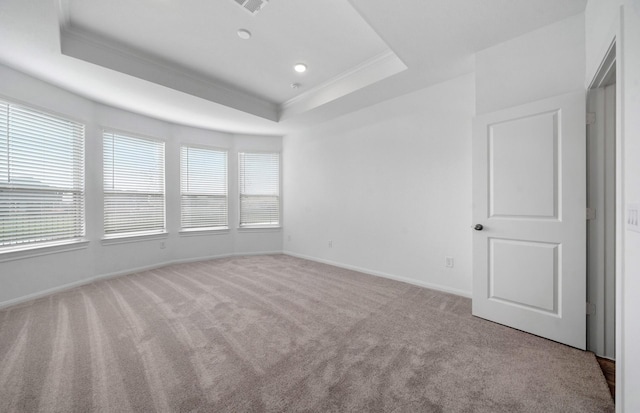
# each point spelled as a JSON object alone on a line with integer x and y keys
{"x": 478, "y": 227}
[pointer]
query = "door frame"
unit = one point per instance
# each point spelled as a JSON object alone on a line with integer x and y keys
{"x": 596, "y": 78}
{"x": 601, "y": 294}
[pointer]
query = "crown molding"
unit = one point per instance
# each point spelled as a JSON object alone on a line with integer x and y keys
{"x": 370, "y": 71}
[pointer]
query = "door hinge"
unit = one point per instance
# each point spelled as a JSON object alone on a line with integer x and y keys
{"x": 591, "y": 309}
{"x": 591, "y": 118}
{"x": 591, "y": 214}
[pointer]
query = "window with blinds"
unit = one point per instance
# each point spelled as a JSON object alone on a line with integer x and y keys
{"x": 259, "y": 175}
{"x": 133, "y": 185}
{"x": 41, "y": 177}
{"x": 203, "y": 188}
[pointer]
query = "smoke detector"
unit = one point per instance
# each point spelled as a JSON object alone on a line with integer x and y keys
{"x": 252, "y": 6}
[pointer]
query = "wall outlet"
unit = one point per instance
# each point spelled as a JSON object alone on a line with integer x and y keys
{"x": 330, "y": 244}
{"x": 289, "y": 238}
{"x": 162, "y": 245}
{"x": 448, "y": 262}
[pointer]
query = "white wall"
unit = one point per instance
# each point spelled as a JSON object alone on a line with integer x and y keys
{"x": 537, "y": 65}
{"x": 389, "y": 185}
{"x": 631, "y": 131}
{"x": 33, "y": 275}
{"x": 606, "y": 20}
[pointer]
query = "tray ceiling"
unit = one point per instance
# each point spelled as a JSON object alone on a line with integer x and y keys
{"x": 194, "y": 47}
{"x": 182, "y": 61}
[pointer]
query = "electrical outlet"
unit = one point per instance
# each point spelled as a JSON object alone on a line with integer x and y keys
{"x": 448, "y": 262}
{"x": 330, "y": 244}
{"x": 289, "y": 238}
{"x": 162, "y": 245}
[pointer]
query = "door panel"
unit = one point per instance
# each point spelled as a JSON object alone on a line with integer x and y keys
{"x": 523, "y": 165}
{"x": 524, "y": 274}
{"x": 529, "y": 195}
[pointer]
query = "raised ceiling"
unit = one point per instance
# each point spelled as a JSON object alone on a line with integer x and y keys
{"x": 198, "y": 42}
{"x": 182, "y": 61}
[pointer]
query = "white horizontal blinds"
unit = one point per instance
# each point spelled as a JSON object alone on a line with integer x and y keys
{"x": 41, "y": 177}
{"x": 259, "y": 175}
{"x": 203, "y": 188}
{"x": 133, "y": 184}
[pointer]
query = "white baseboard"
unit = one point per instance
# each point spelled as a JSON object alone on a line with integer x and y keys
{"x": 419, "y": 283}
{"x": 95, "y": 278}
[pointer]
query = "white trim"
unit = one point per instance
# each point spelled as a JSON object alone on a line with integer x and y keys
{"x": 374, "y": 70}
{"x": 133, "y": 237}
{"x": 36, "y": 250}
{"x": 620, "y": 254}
{"x": 257, "y": 228}
{"x": 65, "y": 287}
{"x": 139, "y": 56}
{"x": 196, "y": 84}
{"x": 382, "y": 58}
{"x": 40, "y": 294}
{"x": 128, "y": 134}
{"x": 407, "y": 280}
{"x": 251, "y": 227}
{"x": 194, "y": 232}
{"x": 606, "y": 67}
{"x": 612, "y": 35}
{"x": 205, "y": 146}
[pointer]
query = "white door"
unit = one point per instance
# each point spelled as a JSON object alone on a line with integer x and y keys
{"x": 529, "y": 210}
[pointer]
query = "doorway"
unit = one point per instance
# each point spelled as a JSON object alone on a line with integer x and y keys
{"x": 601, "y": 212}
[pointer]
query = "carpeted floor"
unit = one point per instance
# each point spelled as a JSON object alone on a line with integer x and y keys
{"x": 273, "y": 334}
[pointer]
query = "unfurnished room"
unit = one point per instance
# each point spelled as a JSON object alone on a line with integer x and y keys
{"x": 320, "y": 206}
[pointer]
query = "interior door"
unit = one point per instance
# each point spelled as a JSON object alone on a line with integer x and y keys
{"x": 529, "y": 203}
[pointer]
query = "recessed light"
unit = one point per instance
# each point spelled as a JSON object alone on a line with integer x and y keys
{"x": 300, "y": 67}
{"x": 244, "y": 34}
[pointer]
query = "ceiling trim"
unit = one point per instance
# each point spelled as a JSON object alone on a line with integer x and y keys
{"x": 83, "y": 46}
{"x": 366, "y": 73}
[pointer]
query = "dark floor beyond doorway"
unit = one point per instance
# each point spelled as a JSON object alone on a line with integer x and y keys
{"x": 609, "y": 370}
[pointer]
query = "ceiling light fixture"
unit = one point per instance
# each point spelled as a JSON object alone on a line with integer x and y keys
{"x": 244, "y": 34}
{"x": 300, "y": 67}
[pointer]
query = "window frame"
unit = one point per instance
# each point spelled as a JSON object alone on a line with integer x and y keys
{"x": 254, "y": 227}
{"x": 209, "y": 229}
{"x": 133, "y": 236}
{"x": 78, "y": 240}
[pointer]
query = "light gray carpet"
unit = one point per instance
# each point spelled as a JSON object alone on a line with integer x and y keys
{"x": 277, "y": 333}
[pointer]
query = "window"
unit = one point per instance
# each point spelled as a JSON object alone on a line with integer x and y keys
{"x": 133, "y": 185}
{"x": 259, "y": 189}
{"x": 203, "y": 188}
{"x": 41, "y": 177}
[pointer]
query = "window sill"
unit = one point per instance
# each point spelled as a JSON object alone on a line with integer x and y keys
{"x": 194, "y": 232}
{"x": 263, "y": 228}
{"x": 36, "y": 250}
{"x": 135, "y": 237}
